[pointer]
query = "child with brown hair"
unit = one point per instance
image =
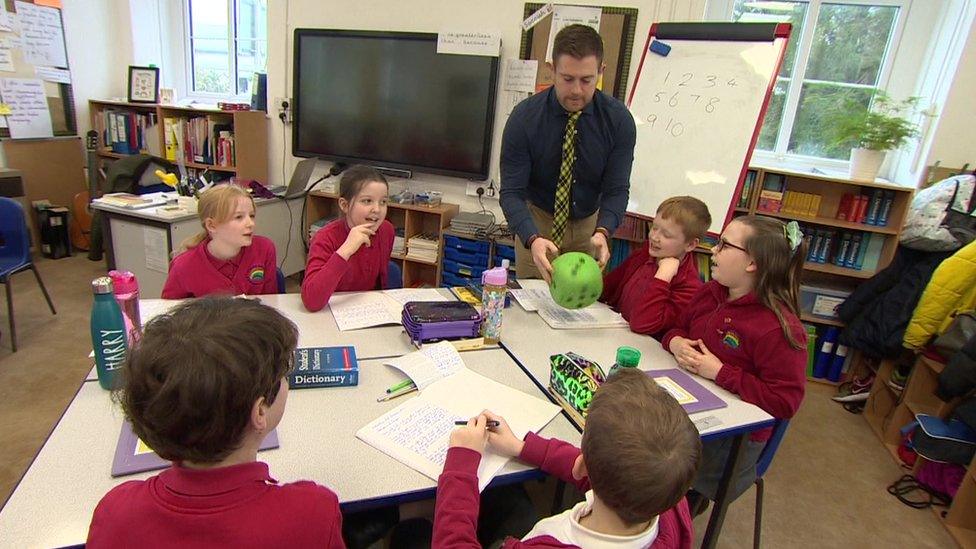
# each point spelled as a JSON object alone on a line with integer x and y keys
{"x": 639, "y": 454}
{"x": 226, "y": 257}
{"x": 205, "y": 385}
{"x": 353, "y": 252}
{"x": 742, "y": 330}
{"x": 658, "y": 279}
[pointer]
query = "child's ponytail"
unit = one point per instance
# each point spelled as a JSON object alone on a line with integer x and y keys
{"x": 779, "y": 251}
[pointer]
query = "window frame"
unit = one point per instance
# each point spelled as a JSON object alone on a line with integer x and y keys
{"x": 232, "y": 62}
{"x": 723, "y": 9}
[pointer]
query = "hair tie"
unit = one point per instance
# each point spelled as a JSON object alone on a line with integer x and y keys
{"x": 793, "y": 235}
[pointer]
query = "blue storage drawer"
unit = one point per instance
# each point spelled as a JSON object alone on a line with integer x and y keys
{"x": 465, "y": 245}
{"x": 463, "y": 269}
{"x": 504, "y": 252}
{"x": 468, "y": 258}
{"x": 452, "y": 279}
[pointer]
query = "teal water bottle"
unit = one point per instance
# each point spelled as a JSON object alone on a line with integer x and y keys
{"x": 627, "y": 357}
{"x": 108, "y": 333}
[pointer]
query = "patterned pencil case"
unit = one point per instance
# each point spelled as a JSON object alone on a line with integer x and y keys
{"x": 428, "y": 321}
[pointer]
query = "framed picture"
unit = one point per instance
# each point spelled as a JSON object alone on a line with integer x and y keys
{"x": 143, "y": 84}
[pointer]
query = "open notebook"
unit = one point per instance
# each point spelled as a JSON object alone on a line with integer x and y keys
{"x": 417, "y": 432}
{"x": 353, "y": 311}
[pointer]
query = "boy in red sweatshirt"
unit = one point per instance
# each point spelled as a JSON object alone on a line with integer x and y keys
{"x": 659, "y": 278}
{"x": 640, "y": 453}
{"x": 203, "y": 388}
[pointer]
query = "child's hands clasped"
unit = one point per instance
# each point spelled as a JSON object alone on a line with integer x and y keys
{"x": 359, "y": 236}
{"x": 695, "y": 357}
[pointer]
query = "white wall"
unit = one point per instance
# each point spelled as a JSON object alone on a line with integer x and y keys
{"x": 954, "y": 142}
{"x": 503, "y": 16}
{"x": 100, "y": 47}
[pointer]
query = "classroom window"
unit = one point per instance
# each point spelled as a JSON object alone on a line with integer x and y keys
{"x": 228, "y": 42}
{"x": 837, "y": 56}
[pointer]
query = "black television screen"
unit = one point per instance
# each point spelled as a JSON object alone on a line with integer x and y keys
{"x": 389, "y": 99}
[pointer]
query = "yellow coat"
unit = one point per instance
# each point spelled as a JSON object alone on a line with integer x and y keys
{"x": 951, "y": 290}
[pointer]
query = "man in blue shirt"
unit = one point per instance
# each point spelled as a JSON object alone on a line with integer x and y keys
{"x": 566, "y": 159}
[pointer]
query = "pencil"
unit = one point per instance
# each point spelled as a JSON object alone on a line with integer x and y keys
{"x": 396, "y": 387}
{"x": 401, "y": 392}
{"x": 491, "y": 423}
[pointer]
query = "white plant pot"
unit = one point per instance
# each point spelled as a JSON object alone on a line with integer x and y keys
{"x": 865, "y": 164}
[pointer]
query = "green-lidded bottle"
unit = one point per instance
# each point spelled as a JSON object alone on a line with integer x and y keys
{"x": 108, "y": 333}
{"x": 627, "y": 357}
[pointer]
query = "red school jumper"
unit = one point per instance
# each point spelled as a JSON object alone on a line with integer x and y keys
{"x": 456, "y": 509}
{"x": 327, "y": 272}
{"x": 235, "y": 506}
{"x": 196, "y": 273}
{"x": 758, "y": 363}
{"x": 651, "y": 306}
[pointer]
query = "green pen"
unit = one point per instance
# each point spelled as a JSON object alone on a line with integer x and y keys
{"x": 405, "y": 383}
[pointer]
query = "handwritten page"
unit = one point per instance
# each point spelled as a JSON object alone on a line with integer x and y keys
{"x": 6, "y": 60}
{"x": 598, "y": 315}
{"x": 364, "y": 309}
{"x": 29, "y": 116}
{"x": 417, "y": 433}
{"x": 404, "y": 295}
{"x": 469, "y": 43}
{"x": 155, "y": 242}
{"x": 429, "y": 364}
{"x": 520, "y": 75}
{"x": 42, "y": 34}
{"x": 564, "y": 16}
{"x": 51, "y": 74}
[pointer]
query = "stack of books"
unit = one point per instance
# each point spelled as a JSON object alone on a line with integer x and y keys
{"x": 849, "y": 249}
{"x": 801, "y": 204}
{"x": 423, "y": 247}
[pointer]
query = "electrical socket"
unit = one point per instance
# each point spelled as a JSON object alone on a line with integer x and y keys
{"x": 473, "y": 187}
{"x": 488, "y": 189}
{"x": 282, "y": 106}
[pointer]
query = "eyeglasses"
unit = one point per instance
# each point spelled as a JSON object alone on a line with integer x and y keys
{"x": 722, "y": 243}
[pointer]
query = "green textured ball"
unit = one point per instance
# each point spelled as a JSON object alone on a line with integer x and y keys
{"x": 576, "y": 280}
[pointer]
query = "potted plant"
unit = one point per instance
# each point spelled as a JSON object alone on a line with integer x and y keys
{"x": 871, "y": 133}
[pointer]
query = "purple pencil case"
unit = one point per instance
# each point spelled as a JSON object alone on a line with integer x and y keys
{"x": 427, "y": 321}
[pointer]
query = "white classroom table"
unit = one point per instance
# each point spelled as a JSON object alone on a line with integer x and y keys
{"x": 53, "y": 503}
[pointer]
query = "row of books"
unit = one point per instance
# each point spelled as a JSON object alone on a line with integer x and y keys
{"x": 850, "y": 249}
{"x": 201, "y": 139}
{"x": 632, "y": 228}
{"x": 423, "y": 247}
{"x": 873, "y": 208}
{"x": 747, "y": 185}
{"x": 801, "y": 204}
{"x": 130, "y": 132}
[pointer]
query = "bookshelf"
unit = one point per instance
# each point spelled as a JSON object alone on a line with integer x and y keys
{"x": 409, "y": 220}
{"x": 246, "y": 158}
{"x": 888, "y": 410}
{"x": 817, "y": 216}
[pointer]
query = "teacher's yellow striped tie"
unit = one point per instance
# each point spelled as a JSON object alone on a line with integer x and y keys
{"x": 560, "y": 213}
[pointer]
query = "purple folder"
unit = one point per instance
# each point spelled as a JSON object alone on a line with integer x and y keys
{"x": 127, "y": 462}
{"x": 705, "y": 399}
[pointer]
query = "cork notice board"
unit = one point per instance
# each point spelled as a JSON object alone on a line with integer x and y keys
{"x": 617, "y": 28}
{"x": 32, "y": 47}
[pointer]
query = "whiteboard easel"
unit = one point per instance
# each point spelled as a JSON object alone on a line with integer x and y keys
{"x": 699, "y": 110}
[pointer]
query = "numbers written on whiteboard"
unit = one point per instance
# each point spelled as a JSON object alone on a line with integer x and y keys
{"x": 694, "y": 99}
{"x": 690, "y": 80}
{"x": 672, "y": 127}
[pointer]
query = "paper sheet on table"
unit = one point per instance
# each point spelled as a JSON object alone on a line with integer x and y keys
{"x": 353, "y": 311}
{"x": 429, "y": 364}
{"x": 404, "y": 295}
{"x": 417, "y": 432}
{"x": 598, "y": 315}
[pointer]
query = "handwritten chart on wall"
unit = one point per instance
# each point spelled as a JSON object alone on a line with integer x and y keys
{"x": 35, "y": 84}
{"x": 698, "y": 108}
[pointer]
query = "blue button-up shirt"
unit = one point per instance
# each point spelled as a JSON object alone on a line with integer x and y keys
{"x": 532, "y": 154}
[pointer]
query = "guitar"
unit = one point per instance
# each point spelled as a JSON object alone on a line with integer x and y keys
{"x": 80, "y": 228}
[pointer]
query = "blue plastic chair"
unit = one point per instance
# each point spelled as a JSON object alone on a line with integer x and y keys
{"x": 394, "y": 276}
{"x": 15, "y": 256}
{"x": 762, "y": 464}
{"x": 281, "y": 281}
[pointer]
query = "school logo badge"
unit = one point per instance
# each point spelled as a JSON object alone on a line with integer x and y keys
{"x": 731, "y": 339}
{"x": 256, "y": 275}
